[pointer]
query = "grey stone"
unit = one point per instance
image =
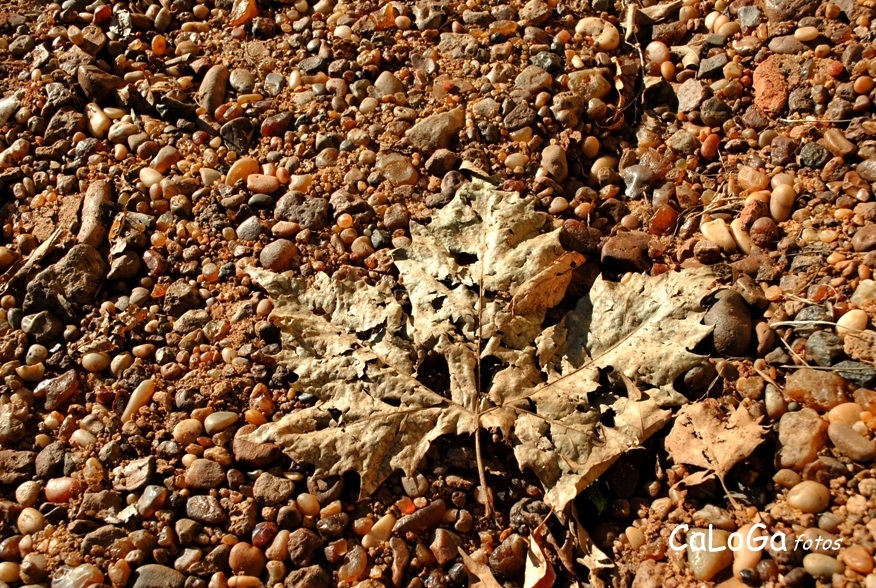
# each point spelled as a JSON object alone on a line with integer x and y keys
{"x": 250, "y": 229}
{"x": 43, "y": 326}
{"x": 158, "y": 576}
{"x": 309, "y": 212}
{"x": 73, "y": 281}
{"x": 814, "y": 156}
{"x": 16, "y": 466}
{"x": 211, "y": 93}
{"x": 824, "y": 348}
{"x": 715, "y": 112}
{"x": 712, "y": 66}
{"x": 691, "y": 94}
{"x": 856, "y": 372}
{"x": 437, "y": 131}
{"x": 180, "y": 297}
{"x": 731, "y": 318}
{"x": 242, "y": 80}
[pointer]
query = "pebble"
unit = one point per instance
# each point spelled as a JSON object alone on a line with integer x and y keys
{"x": 809, "y": 497}
{"x": 802, "y": 436}
{"x": 706, "y": 564}
{"x": 822, "y": 567}
{"x": 95, "y": 362}
{"x": 820, "y": 390}
{"x": 437, "y": 131}
{"x": 219, "y": 421}
{"x": 731, "y": 318}
{"x": 262, "y": 184}
{"x": 187, "y": 431}
{"x": 140, "y": 397}
{"x": 241, "y": 170}
{"x": 857, "y": 558}
{"x": 278, "y": 255}
{"x": 246, "y": 559}
{"x": 204, "y": 474}
{"x": 553, "y": 160}
{"x": 850, "y": 443}
{"x": 854, "y": 321}
{"x": 30, "y": 521}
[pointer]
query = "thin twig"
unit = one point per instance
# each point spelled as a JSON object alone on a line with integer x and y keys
{"x": 482, "y": 475}
{"x": 814, "y": 120}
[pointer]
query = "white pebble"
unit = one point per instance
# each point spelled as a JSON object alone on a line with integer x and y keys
{"x": 139, "y": 398}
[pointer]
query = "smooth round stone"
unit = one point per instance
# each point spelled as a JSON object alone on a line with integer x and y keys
{"x": 718, "y": 233}
{"x": 822, "y": 567}
{"x": 787, "y": 478}
{"x": 36, "y": 354}
{"x": 7, "y": 258}
{"x": 848, "y": 413}
{"x": 782, "y": 202}
{"x": 635, "y": 536}
{"x": 361, "y": 247}
{"x": 95, "y": 362}
{"x": 516, "y": 160}
{"x": 854, "y": 321}
{"x": 31, "y": 373}
{"x": 858, "y": 559}
{"x": 120, "y": 363}
{"x": 381, "y": 530}
{"x": 60, "y": 490}
{"x": 150, "y": 176}
{"x": 246, "y": 559}
{"x": 27, "y": 493}
{"x": 30, "y": 520}
{"x": 9, "y": 572}
{"x": 278, "y": 255}
{"x": 745, "y": 558}
{"x": 809, "y": 496}
{"x": 241, "y": 169}
{"x": 219, "y": 421}
{"x": 262, "y": 183}
{"x": 309, "y": 505}
{"x": 706, "y": 564}
{"x": 806, "y": 34}
{"x": 187, "y": 431}
{"x": 863, "y": 85}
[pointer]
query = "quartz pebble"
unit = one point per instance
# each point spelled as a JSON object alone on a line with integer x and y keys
{"x": 821, "y": 566}
{"x": 706, "y": 564}
{"x": 809, "y": 497}
{"x": 219, "y": 421}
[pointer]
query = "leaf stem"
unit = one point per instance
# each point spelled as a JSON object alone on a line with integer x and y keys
{"x": 488, "y": 496}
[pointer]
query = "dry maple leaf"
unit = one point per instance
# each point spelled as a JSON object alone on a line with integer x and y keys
{"x": 703, "y": 435}
{"x": 394, "y": 370}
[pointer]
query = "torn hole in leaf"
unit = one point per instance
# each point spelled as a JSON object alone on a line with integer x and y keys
{"x": 396, "y": 402}
{"x": 490, "y": 366}
{"x": 438, "y": 302}
{"x": 463, "y": 258}
{"x": 365, "y": 335}
{"x": 607, "y": 418}
{"x": 434, "y": 373}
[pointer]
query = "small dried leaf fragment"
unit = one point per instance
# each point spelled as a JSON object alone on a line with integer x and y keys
{"x": 479, "y": 574}
{"x": 703, "y": 435}
{"x": 548, "y": 287}
{"x": 539, "y": 571}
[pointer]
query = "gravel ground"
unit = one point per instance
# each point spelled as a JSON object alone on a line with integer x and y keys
{"x": 152, "y": 152}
